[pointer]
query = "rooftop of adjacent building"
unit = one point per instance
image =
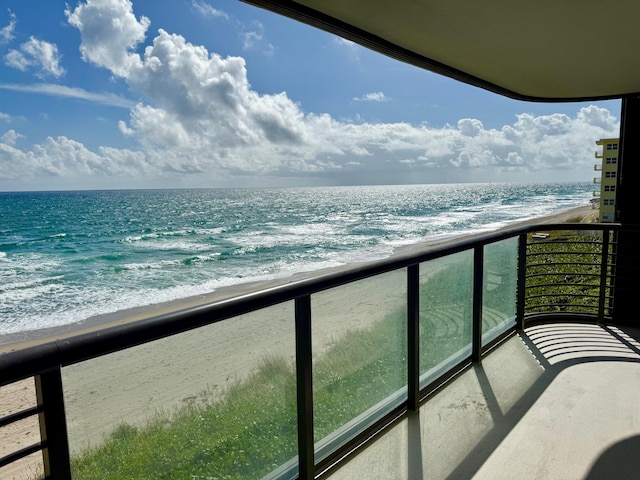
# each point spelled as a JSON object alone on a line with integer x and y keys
{"x": 604, "y": 141}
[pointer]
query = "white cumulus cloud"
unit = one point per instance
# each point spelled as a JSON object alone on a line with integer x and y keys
{"x": 201, "y": 120}
{"x": 109, "y": 31}
{"x": 62, "y": 157}
{"x": 10, "y": 137}
{"x": 39, "y": 54}
{"x": 326, "y": 149}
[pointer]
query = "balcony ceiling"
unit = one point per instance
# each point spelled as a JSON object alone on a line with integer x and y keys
{"x": 531, "y": 50}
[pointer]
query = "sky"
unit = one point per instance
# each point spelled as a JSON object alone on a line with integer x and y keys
{"x": 109, "y": 94}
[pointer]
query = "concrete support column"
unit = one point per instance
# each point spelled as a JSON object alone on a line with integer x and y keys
{"x": 627, "y": 251}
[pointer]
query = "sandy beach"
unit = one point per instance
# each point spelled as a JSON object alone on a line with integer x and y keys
{"x": 133, "y": 385}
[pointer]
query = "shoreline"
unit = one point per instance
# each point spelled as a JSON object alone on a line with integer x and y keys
{"x": 131, "y": 386}
{"x": 19, "y": 340}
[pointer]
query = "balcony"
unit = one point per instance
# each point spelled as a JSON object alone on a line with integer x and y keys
{"x": 439, "y": 363}
{"x": 598, "y": 154}
{"x": 562, "y": 392}
{"x": 597, "y": 168}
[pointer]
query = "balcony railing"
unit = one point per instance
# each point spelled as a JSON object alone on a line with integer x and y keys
{"x": 285, "y": 382}
{"x": 570, "y": 272}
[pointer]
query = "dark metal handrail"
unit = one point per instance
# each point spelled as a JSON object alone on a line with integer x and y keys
{"x": 44, "y": 361}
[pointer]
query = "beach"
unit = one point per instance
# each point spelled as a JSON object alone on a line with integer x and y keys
{"x": 134, "y": 385}
{"x": 9, "y": 342}
{"x": 66, "y": 257}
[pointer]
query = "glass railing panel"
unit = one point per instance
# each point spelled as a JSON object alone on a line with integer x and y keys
{"x": 215, "y": 402}
{"x": 499, "y": 288}
{"x": 359, "y": 356}
{"x": 446, "y": 287}
{"x": 564, "y": 272}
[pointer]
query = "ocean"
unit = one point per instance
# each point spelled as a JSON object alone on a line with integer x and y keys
{"x": 67, "y": 256}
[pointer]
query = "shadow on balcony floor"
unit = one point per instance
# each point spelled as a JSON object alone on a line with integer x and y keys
{"x": 556, "y": 402}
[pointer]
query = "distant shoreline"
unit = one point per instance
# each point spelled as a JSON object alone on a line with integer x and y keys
{"x": 23, "y": 339}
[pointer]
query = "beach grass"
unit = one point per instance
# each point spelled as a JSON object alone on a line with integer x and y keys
{"x": 123, "y": 453}
{"x": 245, "y": 435}
{"x": 251, "y": 429}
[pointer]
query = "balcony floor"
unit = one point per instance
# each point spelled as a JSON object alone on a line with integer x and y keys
{"x": 556, "y": 402}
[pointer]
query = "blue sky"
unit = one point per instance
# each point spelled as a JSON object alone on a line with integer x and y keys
{"x": 195, "y": 93}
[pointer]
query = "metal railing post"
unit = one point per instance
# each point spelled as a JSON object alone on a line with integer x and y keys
{"x": 478, "y": 276}
{"x": 604, "y": 264}
{"x": 522, "y": 280}
{"x": 413, "y": 337}
{"x": 304, "y": 388}
{"x": 53, "y": 425}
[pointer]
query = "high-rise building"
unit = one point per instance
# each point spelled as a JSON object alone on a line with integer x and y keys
{"x": 609, "y": 171}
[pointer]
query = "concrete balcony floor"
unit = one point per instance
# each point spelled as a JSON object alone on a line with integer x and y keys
{"x": 559, "y": 401}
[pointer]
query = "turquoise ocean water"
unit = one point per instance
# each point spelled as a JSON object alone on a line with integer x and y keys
{"x": 66, "y": 256}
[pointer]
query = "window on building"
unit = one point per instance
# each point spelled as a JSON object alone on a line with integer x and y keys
{"x": 609, "y": 188}
{"x": 612, "y": 146}
{"x": 612, "y": 160}
{"x": 610, "y": 174}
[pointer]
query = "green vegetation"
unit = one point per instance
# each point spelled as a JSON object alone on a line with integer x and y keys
{"x": 361, "y": 369}
{"x": 252, "y": 429}
{"x": 246, "y": 435}
{"x": 563, "y": 273}
{"x": 445, "y": 308}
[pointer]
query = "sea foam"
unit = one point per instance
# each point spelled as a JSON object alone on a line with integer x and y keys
{"x": 134, "y": 248}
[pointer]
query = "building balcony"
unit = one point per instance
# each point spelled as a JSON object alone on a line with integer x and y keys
{"x": 440, "y": 363}
{"x": 562, "y": 392}
{"x": 597, "y": 168}
{"x": 596, "y": 179}
{"x": 598, "y": 154}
